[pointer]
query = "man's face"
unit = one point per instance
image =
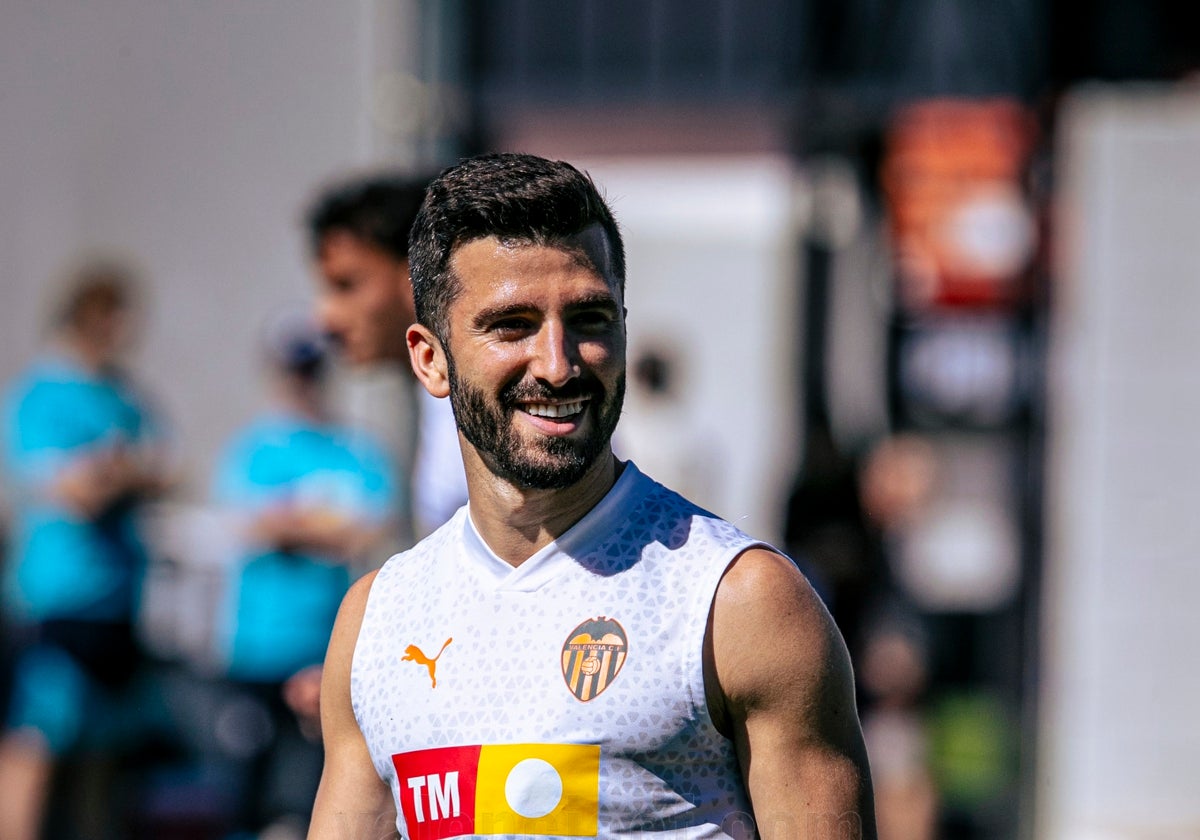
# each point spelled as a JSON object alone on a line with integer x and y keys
{"x": 365, "y": 298}
{"x": 107, "y": 331}
{"x": 536, "y": 356}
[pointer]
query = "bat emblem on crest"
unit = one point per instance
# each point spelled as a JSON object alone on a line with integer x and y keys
{"x": 593, "y": 655}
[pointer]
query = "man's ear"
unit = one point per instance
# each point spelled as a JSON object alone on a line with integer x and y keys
{"x": 428, "y": 360}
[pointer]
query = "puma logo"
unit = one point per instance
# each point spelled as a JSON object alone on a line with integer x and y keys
{"x": 412, "y": 653}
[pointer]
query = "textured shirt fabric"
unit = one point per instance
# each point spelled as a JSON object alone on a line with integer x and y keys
{"x": 61, "y": 564}
{"x": 563, "y": 697}
{"x": 282, "y": 605}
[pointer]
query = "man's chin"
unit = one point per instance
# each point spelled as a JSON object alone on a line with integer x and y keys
{"x": 364, "y": 356}
{"x": 548, "y": 476}
{"x": 543, "y": 468}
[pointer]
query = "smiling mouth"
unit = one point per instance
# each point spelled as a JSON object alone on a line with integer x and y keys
{"x": 555, "y": 411}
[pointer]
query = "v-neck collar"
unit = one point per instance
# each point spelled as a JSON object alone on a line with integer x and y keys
{"x": 548, "y": 561}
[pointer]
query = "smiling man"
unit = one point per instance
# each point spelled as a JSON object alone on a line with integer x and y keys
{"x": 611, "y": 660}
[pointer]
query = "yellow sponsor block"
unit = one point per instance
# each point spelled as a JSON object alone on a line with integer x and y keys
{"x": 546, "y": 789}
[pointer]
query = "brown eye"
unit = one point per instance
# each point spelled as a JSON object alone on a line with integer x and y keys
{"x": 512, "y": 326}
{"x": 593, "y": 322}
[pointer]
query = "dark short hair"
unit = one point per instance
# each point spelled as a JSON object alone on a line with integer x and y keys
{"x": 101, "y": 284}
{"x": 378, "y": 209}
{"x": 510, "y": 196}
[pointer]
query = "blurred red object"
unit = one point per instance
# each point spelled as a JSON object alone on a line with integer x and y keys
{"x": 963, "y": 231}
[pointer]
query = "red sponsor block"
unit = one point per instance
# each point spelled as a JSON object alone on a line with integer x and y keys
{"x": 437, "y": 791}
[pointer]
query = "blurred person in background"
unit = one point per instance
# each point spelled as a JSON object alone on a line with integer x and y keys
{"x": 832, "y": 538}
{"x": 84, "y": 451}
{"x": 358, "y": 235}
{"x": 846, "y": 518}
{"x": 893, "y": 674}
{"x": 315, "y": 497}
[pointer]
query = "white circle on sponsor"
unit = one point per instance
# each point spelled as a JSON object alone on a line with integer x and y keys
{"x": 533, "y": 788}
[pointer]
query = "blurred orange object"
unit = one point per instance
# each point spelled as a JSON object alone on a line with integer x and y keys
{"x": 962, "y": 229}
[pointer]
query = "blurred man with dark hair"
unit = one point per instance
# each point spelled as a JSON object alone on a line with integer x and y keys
{"x": 586, "y": 653}
{"x": 84, "y": 451}
{"x": 358, "y": 235}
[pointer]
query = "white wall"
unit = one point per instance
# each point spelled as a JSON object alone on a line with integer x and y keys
{"x": 189, "y": 135}
{"x": 712, "y": 271}
{"x": 1120, "y": 691}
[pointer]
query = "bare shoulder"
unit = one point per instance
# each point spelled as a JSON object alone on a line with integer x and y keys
{"x": 354, "y": 603}
{"x": 765, "y": 604}
{"x": 780, "y": 685}
{"x": 351, "y": 793}
{"x": 335, "y": 689}
{"x": 349, "y": 619}
{"x": 763, "y": 577}
{"x": 356, "y": 596}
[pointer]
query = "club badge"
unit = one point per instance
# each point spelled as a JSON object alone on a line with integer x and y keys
{"x": 592, "y": 656}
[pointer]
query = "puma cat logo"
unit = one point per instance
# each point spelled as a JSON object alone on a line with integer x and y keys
{"x": 412, "y": 653}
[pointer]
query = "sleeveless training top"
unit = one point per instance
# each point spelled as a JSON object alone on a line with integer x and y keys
{"x": 564, "y": 697}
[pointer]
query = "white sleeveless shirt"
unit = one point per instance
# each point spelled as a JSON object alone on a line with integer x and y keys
{"x": 563, "y": 697}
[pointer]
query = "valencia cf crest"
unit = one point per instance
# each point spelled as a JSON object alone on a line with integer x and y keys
{"x": 593, "y": 655}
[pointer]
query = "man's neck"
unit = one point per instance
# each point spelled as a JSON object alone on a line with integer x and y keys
{"x": 298, "y": 401}
{"x": 83, "y": 352}
{"x": 516, "y": 522}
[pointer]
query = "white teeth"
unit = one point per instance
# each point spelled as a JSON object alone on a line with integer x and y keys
{"x": 555, "y": 411}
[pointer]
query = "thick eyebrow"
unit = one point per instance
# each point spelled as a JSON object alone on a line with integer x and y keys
{"x": 599, "y": 301}
{"x": 602, "y": 301}
{"x": 498, "y": 313}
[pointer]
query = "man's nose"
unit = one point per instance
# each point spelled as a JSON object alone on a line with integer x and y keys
{"x": 556, "y": 356}
{"x": 327, "y": 318}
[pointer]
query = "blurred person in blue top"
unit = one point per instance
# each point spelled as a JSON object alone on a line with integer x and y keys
{"x": 315, "y": 497}
{"x": 83, "y": 451}
{"x": 358, "y": 241}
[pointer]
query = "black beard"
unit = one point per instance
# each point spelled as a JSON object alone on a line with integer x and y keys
{"x": 550, "y": 463}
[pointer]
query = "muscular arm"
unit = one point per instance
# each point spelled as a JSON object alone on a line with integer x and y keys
{"x": 780, "y": 685}
{"x": 352, "y": 803}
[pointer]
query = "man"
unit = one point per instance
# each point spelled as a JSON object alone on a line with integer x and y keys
{"x": 314, "y": 497}
{"x": 358, "y": 233}
{"x": 585, "y": 653}
{"x": 83, "y": 451}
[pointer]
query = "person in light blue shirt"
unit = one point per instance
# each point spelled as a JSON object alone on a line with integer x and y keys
{"x": 314, "y": 497}
{"x": 83, "y": 451}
